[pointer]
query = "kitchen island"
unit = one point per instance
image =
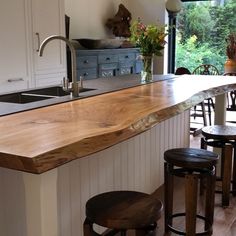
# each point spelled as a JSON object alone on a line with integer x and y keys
{"x": 80, "y": 148}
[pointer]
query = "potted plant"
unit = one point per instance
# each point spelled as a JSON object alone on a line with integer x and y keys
{"x": 230, "y": 64}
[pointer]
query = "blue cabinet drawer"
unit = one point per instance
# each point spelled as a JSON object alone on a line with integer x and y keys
{"x": 86, "y": 61}
{"x": 87, "y": 73}
{"x": 108, "y": 66}
{"x": 127, "y": 68}
{"x": 108, "y": 70}
{"x": 107, "y": 58}
{"x": 126, "y": 57}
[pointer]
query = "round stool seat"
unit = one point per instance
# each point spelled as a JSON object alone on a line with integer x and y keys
{"x": 123, "y": 210}
{"x": 191, "y": 158}
{"x": 222, "y": 132}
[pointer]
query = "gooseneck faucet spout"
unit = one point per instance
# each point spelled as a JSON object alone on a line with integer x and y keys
{"x": 74, "y": 89}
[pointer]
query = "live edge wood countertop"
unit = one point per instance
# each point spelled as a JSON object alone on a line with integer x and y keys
{"x": 42, "y": 139}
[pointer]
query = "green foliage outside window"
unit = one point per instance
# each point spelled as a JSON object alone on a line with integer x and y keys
{"x": 202, "y": 28}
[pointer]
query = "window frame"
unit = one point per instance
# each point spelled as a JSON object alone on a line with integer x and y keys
{"x": 172, "y": 37}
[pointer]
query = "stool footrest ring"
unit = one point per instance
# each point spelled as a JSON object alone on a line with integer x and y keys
{"x": 174, "y": 230}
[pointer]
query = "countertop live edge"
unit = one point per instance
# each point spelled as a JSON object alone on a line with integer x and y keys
{"x": 38, "y": 140}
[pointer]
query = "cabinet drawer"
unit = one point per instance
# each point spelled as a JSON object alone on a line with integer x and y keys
{"x": 108, "y": 70}
{"x": 126, "y": 57}
{"x": 87, "y": 73}
{"x": 127, "y": 68}
{"x": 86, "y": 62}
{"x": 107, "y": 58}
{"x": 108, "y": 66}
{"x": 49, "y": 79}
{"x": 13, "y": 84}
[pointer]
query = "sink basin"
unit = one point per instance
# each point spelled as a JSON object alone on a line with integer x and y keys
{"x": 37, "y": 95}
{"x": 51, "y": 91}
{"x": 21, "y": 98}
{"x": 56, "y": 91}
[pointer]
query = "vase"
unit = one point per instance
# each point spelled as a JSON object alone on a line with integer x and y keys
{"x": 147, "y": 71}
{"x": 230, "y": 66}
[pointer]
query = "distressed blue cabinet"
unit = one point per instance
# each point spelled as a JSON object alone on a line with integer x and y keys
{"x": 93, "y": 64}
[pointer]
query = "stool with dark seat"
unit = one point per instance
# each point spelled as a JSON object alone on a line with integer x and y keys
{"x": 120, "y": 211}
{"x": 224, "y": 137}
{"x": 192, "y": 164}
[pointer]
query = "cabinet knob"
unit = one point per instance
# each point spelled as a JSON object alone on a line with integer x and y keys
{"x": 86, "y": 74}
{"x": 126, "y": 56}
{"x": 108, "y": 59}
{"x": 85, "y": 61}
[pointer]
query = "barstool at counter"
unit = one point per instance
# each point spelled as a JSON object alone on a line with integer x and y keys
{"x": 119, "y": 211}
{"x": 224, "y": 137}
{"x": 192, "y": 164}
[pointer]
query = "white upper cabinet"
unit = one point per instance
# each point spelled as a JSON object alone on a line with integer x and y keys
{"x": 48, "y": 19}
{"x": 14, "y": 53}
{"x": 24, "y": 24}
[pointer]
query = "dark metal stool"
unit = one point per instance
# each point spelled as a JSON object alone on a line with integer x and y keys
{"x": 192, "y": 164}
{"x": 224, "y": 137}
{"x": 120, "y": 211}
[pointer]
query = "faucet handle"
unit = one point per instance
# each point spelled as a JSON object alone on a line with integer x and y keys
{"x": 81, "y": 79}
{"x": 65, "y": 84}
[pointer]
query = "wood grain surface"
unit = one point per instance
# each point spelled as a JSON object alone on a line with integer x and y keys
{"x": 38, "y": 140}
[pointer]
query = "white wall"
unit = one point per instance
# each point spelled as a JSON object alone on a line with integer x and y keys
{"x": 88, "y": 17}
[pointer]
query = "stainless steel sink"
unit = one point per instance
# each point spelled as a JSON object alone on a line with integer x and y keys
{"x": 21, "y": 98}
{"x": 56, "y": 91}
{"x": 37, "y": 95}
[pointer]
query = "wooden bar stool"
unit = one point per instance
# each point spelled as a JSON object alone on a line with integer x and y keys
{"x": 192, "y": 164}
{"x": 120, "y": 211}
{"x": 224, "y": 137}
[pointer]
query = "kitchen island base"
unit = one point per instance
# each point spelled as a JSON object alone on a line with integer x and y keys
{"x": 53, "y": 203}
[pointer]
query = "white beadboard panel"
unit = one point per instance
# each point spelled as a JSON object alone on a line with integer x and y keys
{"x": 12, "y": 203}
{"x": 64, "y": 200}
{"x": 135, "y": 164}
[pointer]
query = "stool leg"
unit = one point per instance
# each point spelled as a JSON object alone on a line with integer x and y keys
{"x": 191, "y": 182}
{"x": 168, "y": 186}
{"x": 204, "y": 114}
{"x": 226, "y": 175}
{"x": 234, "y": 173}
{"x": 209, "y": 110}
{"x": 210, "y": 201}
{"x": 203, "y": 144}
{"x": 202, "y": 183}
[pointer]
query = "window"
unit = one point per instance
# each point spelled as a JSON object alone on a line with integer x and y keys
{"x": 201, "y": 30}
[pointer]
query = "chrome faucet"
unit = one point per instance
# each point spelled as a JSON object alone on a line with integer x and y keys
{"x": 74, "y": 88}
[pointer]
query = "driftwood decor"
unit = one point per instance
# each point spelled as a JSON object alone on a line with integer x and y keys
{"x": 120, "y": 23}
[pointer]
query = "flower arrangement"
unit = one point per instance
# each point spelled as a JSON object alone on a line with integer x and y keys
{"x": 149, "y": 38}
{"x": 231, "y": 46}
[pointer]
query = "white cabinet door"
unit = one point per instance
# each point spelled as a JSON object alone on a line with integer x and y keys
{"x": 48, "y": 19}
{"x": 14, "y": 53}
